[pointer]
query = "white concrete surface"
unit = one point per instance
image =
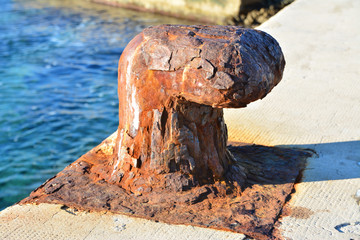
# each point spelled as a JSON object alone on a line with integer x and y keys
{"x": 318, "y": 99}
{"x": 317, "y": 106}
{"x": 49, "y": 221}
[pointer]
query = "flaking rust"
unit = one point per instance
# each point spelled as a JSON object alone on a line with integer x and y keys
{"x": 173, "y": 83}
{"x": 169, "y": 159}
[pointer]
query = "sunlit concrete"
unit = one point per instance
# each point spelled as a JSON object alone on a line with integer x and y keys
{"x": 316, "y": 106}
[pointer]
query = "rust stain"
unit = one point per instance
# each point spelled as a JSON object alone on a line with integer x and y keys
{"x": 169, "y": 160}
{"x": 219, "y": 205}
{"x": 300, "y": 212}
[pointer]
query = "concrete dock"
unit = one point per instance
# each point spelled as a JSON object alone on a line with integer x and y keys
{"x": 316, "y": 106}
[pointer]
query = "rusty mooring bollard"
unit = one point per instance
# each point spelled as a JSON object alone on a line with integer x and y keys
{"x": 174, "y": 81}
{"x": 170, "y": 161}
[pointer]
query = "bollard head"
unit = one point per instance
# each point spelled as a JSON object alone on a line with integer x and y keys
{"x": 220, "y": 66}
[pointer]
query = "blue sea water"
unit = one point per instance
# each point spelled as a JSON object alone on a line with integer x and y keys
{"x": 58, "y": 84}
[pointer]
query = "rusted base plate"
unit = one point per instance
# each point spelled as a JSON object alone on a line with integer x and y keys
{"x": 254, "y": 212}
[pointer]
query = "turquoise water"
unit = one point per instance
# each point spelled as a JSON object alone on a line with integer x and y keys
{"x": 58, "y": 85}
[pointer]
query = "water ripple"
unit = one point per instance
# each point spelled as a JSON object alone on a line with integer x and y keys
{"x": 58, "y": 85}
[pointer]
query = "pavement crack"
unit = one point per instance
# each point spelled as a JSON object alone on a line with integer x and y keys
{"x": 87, "y": 235}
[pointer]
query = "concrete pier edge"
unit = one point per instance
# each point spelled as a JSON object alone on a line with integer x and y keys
{"x": 316, "y": 106}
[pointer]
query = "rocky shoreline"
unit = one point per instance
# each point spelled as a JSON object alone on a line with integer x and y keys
{"x": 247, "y": 13}
{"x": 256, "y": 14}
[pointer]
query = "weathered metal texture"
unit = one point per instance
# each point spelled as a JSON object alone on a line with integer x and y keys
{"x": 271, "y": 174}
{"x": 173, "y": 82}
{"x": 169, "y": 160}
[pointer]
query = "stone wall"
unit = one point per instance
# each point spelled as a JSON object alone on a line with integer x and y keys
{"x": 208, "y": 11}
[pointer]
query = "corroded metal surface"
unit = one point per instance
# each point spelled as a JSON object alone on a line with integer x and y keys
{"x": 272, "y": 173}
{"x": 173, "y": 82}
{"x": 169, "y": 160}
